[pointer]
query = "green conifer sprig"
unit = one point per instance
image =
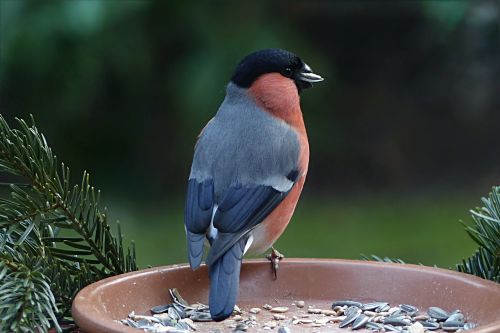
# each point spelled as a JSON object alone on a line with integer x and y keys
{"x": 54, "y": 236}
{"x": 485, "y": 262}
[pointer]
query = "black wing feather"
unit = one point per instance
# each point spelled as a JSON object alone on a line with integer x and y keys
{"x": 197, "y": 217}
{"x": 241, "y": 209}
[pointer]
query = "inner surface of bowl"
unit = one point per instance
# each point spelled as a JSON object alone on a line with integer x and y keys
{"x": 318, "y": 282}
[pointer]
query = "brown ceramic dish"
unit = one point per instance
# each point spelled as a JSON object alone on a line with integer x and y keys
{"x": 316, "y": 281}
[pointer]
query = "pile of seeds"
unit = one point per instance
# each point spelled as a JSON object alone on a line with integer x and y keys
{"x": 380, "y": 316}
{"x": 182, "y": 317}
{"x": 176, "y": 317}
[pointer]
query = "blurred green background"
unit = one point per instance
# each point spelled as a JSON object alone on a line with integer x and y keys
{"x": 403, "y": 132}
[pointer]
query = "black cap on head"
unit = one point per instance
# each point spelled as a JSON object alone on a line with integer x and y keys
{"x": 274, "y": 61}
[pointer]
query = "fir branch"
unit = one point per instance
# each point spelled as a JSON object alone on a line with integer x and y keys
{"x": 374, "y": 257}
{"x": 485, "y": 262}
{"x": 35, "y": 250}
{"x": 24, "y": 288}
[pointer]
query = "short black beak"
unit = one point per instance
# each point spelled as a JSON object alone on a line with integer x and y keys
{"x": 305, "y": 77}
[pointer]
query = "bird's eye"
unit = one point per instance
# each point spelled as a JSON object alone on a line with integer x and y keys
{"x": 287, "y": 72}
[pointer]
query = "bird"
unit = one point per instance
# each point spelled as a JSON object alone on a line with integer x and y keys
{"x": 248, "y": 170}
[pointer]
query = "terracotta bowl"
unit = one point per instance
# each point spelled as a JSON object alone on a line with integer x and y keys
{"x": 316, "y": 281}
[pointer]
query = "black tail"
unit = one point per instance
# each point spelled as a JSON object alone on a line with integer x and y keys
{"x": 224, "y": 281}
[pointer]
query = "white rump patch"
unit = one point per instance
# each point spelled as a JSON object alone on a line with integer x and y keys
{"x": 279, "y": 183}
{"x": 248, "y": 244}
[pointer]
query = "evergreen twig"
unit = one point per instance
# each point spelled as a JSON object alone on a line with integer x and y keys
{"x": 54, "y": 238}
{"x": 485, "y": 262}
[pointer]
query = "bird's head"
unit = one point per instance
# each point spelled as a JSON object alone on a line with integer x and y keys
{"x": 279, "y": 61}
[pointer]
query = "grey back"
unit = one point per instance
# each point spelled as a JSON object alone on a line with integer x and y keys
{"x": 244, "y": 144}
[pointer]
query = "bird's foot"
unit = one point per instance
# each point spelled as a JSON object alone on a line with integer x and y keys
{"x": 275, "y": 258}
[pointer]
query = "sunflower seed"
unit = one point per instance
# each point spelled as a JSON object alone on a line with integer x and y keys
{"x": 470, "y": 326}
{"x": 360, "y": 322}
{"x": 392, "y": 328}
{"x": 351, "y": 314}
{"x": 267, "y": 307}
{"x": 383, "y": 308}
{"x": 177, "y": 298}
{"x": 374, "y": 326}
{"x": 456, "y": 317}
{"x": 190, "y": 323}
{"x": 395, "y": 313}
{"x": 160, "y": 308}
{"x": 254, "y": 310}
{"x": 437, "y": 313}
{"x": 421, "y": 317}
{"x": 314, "y": 310}
{"x": 373, "y": 305}
{"x": 409, "y": 309}
{"x": 279, "y": 316}
{"x": 241, "y": 327}
{"x": 284, "y": 329}
{"x": 182, "y": 326}
{"x": 429, "y": 325}
{"x": 346, "y": 303}
{"x": 131, "y": 323}
{"x": 172, "y": 312}
{"x": 200, "y": 316}
{"x": 397, "y": 321}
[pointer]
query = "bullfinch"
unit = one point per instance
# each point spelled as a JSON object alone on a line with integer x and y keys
{"x": 248, "y": 170}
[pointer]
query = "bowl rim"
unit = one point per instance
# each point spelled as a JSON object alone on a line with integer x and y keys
{"x": 83, "y": 313}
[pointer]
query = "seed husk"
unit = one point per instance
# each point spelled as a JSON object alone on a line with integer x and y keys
{"x": 279, "y": 316}
{"x": 416, "y": 328}
{"x": 279, "y": 309}
{"x": 254, "y": 310}
{"x": 300, "y": 304}
{"x": 322, "y": 321}
{"x": 329, "y": 312}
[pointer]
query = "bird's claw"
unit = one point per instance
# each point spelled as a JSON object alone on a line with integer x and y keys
{"x": 275, "y": 257}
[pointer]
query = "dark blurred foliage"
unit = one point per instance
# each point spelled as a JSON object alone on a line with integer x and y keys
{"x": 411, "y": 99}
